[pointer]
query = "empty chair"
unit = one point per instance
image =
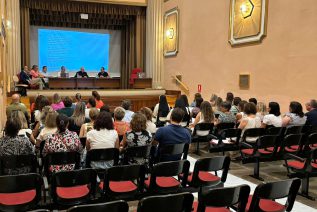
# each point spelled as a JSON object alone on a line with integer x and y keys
{"x": 172, "y": 152}
{"x": 161, "y": 179}
{"x": 181, "y": 202}
{"x": 202, "y": 133}
{"x": 201, "y": 176}
{"x": 18, "y": 164}
{"x": 137, "y": 154}
{"x": 302, "y": 168}
{"x": 220, "y": 199}
{"x": 292, "y": 143}
{"x": 73, "y": 187}
{"x": 265, "y": 194}
{"x": 20, "y": 192}
{"x": 116, "y": 206}
{"x": 123, "y": 182}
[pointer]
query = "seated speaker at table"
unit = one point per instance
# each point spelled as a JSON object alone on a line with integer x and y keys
{"x": 103, "y": 73}
{"x": 82, "y": 73}
{"x": 63, "y": 72}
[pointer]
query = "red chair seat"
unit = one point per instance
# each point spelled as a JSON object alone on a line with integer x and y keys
{"x": 299, "y": 165}
{"x": 204, "y": 176}
{"x": 292, "y": 148}
{"x": 271, "y": 149}
{"x": 267, "y": 205}
{"x": 164, "y": 182}
{"x": 72, "y": 192}
{"x": 247, "y": 151}
{"x": 122, "y": 186}
{"x": 17, "y": 198}
{"x": 210, "y": 209}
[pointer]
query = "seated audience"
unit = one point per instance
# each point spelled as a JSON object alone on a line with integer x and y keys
{"x": 197, "y": 95}
{"x": 13, "y": 144}
{"x": 91, "y": 104}
{"x": 67, "y": 110}
{"x": 126, "y": 104}
{"x": 173, "y": 133}
{"x": 99, "y": 102}
{"x": 81, "y": 73}
{"x": 212, "y": 101}
{"x": 182, "y": 105}
{"x": 196, "y": 109}
{"x": 105, "y": 108}
{"x": 308, "y": 106}
{"x": 86, "y": 127}
{"x": 250, "y": 121}
{"x": 274, "y": 117}
{"x": 25, "y": 130}
{"x": 41, "y": 123}
{"x": 312, "y": 114}
{"x": 78, "y": 118}
{"x": 235, "y": 105}
{"x": 40, "y": 102}
{"x": 150, "y": 126}
{"x": 241, "y": 113}
{"x": 161, "y": 111}
{"x": 185, "y": 100}
{"x": 119, "y": 125}
{"x": 217, "y": 107}
{"x": 62, "y": 141}
{"x": 230, "y": 97}
{"x": 16, "y": 105}
{"x": 57, "y": 102}
{"x": 49, "y": 128}
{"x": 206, "y": 114}
{"x": 103, "y": 136}
{"x": 261, "y": 110}
{"x": 138, "y": 136}
{"x": 253, "y": 100}
{"x": 103, "y": 73}
{"x": 296, "y": 116}
{"x": 77, "y": 99}
{"x": 225, "y": 116}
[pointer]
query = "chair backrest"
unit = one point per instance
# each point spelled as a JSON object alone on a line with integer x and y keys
{"x": 142, "y": 152}
{"x": 276, "y": 190}
{"x": 232, "y": 133}
{"x": 61, "y": 158}
{"x": 30, "y": 184}
{"x": 67, "y": 179}
{"x": 110, "y": 154}
{"x": 203, "y": 129}
{"x": 167, "y": 151}
{"x": 16, "y": 162}
{"x": 223, "y": 126}
{"x": 116, "y": 206}
{"x": 311, "y": 141}
{"x": 266, "y": 141}
{"x": 275, "y": 131}
{"x": 311, "y": 162}
{"x": 253, "y": 132}
{"x": 181, "y": 202}
{"x": 293, "y": 130}
{"x": 292, "y": 140}
{"x": 214, "y": 164}
{"x": 224, "y": 197}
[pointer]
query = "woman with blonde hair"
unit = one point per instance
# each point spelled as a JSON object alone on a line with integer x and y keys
{"x": 78, "y": 118}
{"x": 19, "y": 115}
{"x": 57, "y": 102}
{"x": 150, "y": 126}
{"x": 206, "y": 114}
{"x": 85, "y": 128}
{"x": 261, "y": 110}
{"x": 50, "y": 127}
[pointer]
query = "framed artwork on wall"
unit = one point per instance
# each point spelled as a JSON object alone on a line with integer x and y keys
{"x": 244, "y": 81}
{"x": 171, "y": 32}
{"x": 248, "y": 21}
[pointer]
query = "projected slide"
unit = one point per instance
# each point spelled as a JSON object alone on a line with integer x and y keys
{"x": 73, "y": 49}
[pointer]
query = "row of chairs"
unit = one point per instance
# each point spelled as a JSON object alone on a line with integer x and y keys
{"x": 211, "y": 199}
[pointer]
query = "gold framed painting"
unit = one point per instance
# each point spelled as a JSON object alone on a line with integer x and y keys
{"x": 171, "y": 35}
{"x": 248, "y": 21}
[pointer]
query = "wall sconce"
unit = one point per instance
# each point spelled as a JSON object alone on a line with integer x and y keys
{"x": 246, "y": 9}
{"x": 170, "y": 33}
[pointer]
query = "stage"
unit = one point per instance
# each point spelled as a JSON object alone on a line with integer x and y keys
{"x": 138, "y": 97}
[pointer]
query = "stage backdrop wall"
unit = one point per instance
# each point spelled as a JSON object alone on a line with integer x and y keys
{"x": 114, "y": 49}
{"x": 282, "y": 67}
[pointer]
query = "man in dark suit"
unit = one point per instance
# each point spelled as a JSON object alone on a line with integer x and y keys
{"x": 82, "y": 73}
{"x": 312, "y": 114}
{"x": 103, "y": 73}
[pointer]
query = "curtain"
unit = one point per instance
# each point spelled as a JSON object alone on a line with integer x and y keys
{"x": 25, "y": 36}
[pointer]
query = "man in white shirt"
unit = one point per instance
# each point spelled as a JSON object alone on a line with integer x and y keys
{"x": 126, "y": 104}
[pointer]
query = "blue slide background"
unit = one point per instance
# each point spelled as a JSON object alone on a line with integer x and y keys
{"x": 73, "y": 50}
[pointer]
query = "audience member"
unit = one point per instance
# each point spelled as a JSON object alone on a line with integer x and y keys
{"x": 217, "y": 107}
{"x": 103, "y": 73}
{"x": 25, "y": 130}
{"x": 41, "y": 123}
{"x": 49, "y": 128}
{"x": 91, "y": 104}
{"x": 62, "y": 141}
{"x": 241, "y": 113}
{"x": 138, "y": 136}
{"x": 67, "y": 110}
{"x": 182, "y": 105}
{"x": 86, "y": 127}
{"x": 295, "y": 117}
{"x": 161, "y": 111}
{"x": 250, "y": 121}
{"x": 119, "y": 125}
{"x": 230, "y": 97}
{"x": 274, "y": 117}
{"x": 173, "y": 133}
{"x": 81, "y": 73}
{"x": 57, "y": 102}
{"x": 185, "y": 100}
{"x": 196, "y": 109}
{"x": 206, "y": 114}
{"x": 78, "y": 118}
{"x": 312, "y": 114}
{"x": 126, "y": 104}
{"x": 308, "y": 106}
{"x": 235, "y": 105}
{"x": 77, "y": 99}
{"x": 212, "y": 100}
{"x": 40, "y": 102}
{"x": 253, "y": 100}
{"x": 105, "y": 108}
{"x": 197, "y": 95}
{"x": 225, "y": 116}
{"x": 150, "y": 126}
{"x": 99, "y": 102}
{"x": 12, "y": 144}
{"x": 261, "y": 110}
{"x": 16, "y": 105}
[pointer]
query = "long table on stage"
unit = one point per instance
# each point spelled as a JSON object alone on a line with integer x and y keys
{"x": 83, "y": 83}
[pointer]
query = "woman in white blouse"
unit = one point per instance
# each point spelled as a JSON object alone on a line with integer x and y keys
{"x": 274, "y": 117}
{"x": 250, "y": 121}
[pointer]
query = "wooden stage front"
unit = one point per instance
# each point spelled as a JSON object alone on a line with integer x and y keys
{"x": 138, "y": 97}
